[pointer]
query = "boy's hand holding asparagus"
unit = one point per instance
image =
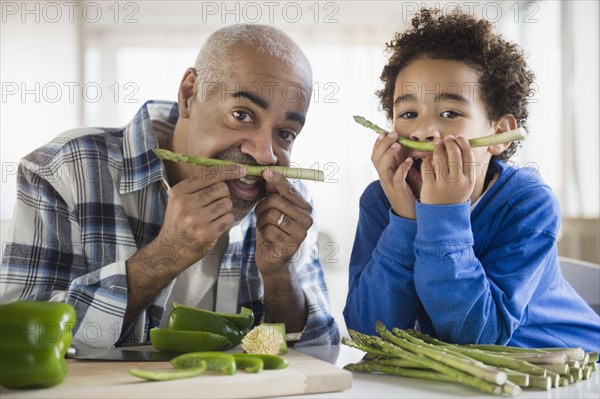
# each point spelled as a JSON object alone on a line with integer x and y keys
{"x": 448, "y": 175}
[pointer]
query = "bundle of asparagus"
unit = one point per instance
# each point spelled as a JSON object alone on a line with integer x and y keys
{"x": 492, "y": 369}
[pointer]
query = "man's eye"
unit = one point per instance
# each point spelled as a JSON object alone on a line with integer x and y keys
{"x": 449, "y": 114}
{"x": 287, "y": 135}
{"x": 242, "y": 116}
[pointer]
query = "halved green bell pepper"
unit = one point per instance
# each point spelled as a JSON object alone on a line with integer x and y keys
{"x": 185, "y": 318}
{"x": 166, "y": 340}
{"x": 34, "y": 339}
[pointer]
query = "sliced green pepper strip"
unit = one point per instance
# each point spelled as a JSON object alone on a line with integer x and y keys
{"x": 169, "y": 375}
{"x": 248, "y": 363}
{"x": 270, "y": 362}
{"x": 185, "y": 318}
{"x": 187, "y": 341}
{"x": 215, "y": 361}
{"x": 35, "y": 336}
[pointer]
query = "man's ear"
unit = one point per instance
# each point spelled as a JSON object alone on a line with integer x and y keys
{"x": 504, "y": 124}
{"x": 186, "y": 92}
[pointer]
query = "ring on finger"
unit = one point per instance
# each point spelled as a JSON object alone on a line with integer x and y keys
{"x": 280, "y": 220}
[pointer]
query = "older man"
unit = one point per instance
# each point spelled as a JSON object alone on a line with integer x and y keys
{"x": 102, "y": 224}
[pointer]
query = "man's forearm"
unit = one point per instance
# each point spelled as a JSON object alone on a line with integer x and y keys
{"x": 148, "y": 273}
{"x": 284, "y": 301}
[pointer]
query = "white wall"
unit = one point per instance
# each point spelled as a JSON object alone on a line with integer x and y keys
{"x": 39, "y": 74}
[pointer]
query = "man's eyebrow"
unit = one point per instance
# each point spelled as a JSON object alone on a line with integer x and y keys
{"x": 258, "y": 100}
{"x": 262, "y": 103}
{"x": 296, "y": 116}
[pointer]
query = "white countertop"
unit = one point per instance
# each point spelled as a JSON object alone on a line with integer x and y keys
{"x": 366, "y": 385}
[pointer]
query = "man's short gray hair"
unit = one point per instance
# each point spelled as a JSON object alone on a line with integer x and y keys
{"x": 211, "y": 61}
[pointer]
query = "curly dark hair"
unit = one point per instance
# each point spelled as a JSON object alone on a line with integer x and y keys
{"x": 505, "y": 81}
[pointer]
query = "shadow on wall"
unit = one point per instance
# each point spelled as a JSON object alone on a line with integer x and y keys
{"x": 580, "y": 239}
{"x": 3, "y": 234}
{"x": 336, "y": 278}
{"x": 585, "y": 278}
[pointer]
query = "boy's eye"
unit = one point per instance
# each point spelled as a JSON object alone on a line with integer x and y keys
{"x": 449, "y": 114}
{"x": 242, "y": 116}
{"x": 408, "y": 115}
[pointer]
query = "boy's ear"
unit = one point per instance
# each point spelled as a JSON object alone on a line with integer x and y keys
{"x": 504, "y": 124}
{"x": 186, "y": 92}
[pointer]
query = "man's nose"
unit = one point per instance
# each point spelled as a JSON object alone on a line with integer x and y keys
{"x": 260, "y": 147}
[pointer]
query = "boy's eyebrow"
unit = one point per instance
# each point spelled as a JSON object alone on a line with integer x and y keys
{"x": 405, "y": 98}
{"x": 451, "y": 97}
{"x": 438, "y": 97}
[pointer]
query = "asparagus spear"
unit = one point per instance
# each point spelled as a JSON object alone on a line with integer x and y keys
{"x": 572, "y": 353}
{"x": 539, "y": 382}
{"x": 557, "y": 368}
{"x": 252, "y": 170}
{"x": 364, "y": 348}
{"x": 483, "y": 141}
{"x": 542, "y": 358}
{"x": 397, "y": 362}
{"x": 403, "y": 372}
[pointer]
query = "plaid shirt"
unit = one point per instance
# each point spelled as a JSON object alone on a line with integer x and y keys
{"x": 87, "y": 201}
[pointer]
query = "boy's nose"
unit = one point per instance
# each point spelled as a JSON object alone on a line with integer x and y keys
{"x": 260, "y": 147}
{"x": 425, "y": 134}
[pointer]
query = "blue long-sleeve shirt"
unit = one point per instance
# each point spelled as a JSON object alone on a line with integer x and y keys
{"x": 486, "y": 275}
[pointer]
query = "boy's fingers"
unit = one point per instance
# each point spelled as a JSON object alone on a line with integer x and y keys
{"x": 453, "y": 151}
{"x": 382, "y": 144}
{"x": 468, "y": 158}
{"x": 402, "y": 172}
{"x": 439, "y": 153}
{"x": 427, "y": 170}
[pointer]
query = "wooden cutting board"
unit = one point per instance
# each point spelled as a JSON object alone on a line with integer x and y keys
{"x": 103, "y": 379}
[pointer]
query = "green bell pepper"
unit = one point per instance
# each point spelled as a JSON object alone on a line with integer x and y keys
{"x": 185, "y": 318}
{"x": 166, "y": 340}
{"x": 34, "y": 337}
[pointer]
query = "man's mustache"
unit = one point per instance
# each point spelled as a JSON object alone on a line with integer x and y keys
{"x": 235, "y": 155}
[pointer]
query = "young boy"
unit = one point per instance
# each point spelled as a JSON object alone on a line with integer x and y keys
{"x": 458, "y": 242}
